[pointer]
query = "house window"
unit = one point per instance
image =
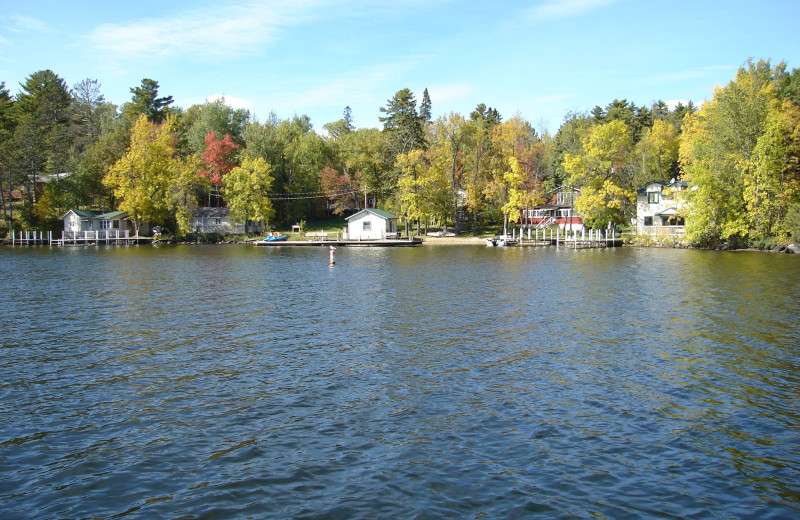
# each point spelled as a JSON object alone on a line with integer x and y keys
{"x": 367, "y": 225}
{"x": 217, "y": 221}
{"x": 115, "y": 224}
{"x": 652, "y": 197}
{"x": 105, "y": 224}
{"x": 648, "y": 221}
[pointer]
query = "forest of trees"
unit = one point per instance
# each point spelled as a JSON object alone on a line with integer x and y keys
{"x": 740, "y": 153}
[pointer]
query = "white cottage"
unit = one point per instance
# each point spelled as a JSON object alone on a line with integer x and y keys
{"x": 371, "y": 224}
{"x": 80, "y": 220}
{"x": 658, "y": 206}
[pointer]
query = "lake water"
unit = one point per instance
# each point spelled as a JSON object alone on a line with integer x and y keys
{"x": 429, "y": 382}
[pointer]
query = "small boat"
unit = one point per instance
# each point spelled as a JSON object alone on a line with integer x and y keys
{"x": 275, "y": 238}
{"x": 501, "y": 241}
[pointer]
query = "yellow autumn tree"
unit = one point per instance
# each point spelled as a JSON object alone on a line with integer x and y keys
{"x": 603, "y": 174}
{"x": 735, "y": 152}
{"x": 512, "y": 144}
{"x": 656, "y": 154}
{"x": 774, "y": 183}
{"x": 410, "y": 188}
{"x": 141, "y": 179}
{"x": 247, "y": 188}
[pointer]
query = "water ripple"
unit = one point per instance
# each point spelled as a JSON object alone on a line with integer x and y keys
{"x": 227, "y": 382}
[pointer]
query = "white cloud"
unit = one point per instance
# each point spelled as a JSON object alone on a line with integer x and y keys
{"x": 231, "y": 101}
{"x": 550, "y": 10}
{"x": 351, "y": 89}
{"x": 220, "y": 32}
{"x": 26, "y": 24}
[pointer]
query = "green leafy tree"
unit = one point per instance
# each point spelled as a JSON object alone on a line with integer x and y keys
{"x": 41, "y": 142}
{"x": 792, "y": 222}
{"x": 296, "y": 155}
{"x": 425, "y": 107}
{"x": 568, "y": 140}
{"x": 214, "y": 116}
{"x": 449, "y": 135}
{"x": 88, "y": 105}
{"x": 365, "y": 151}
{"x": 479, "y": 153}
{"x": 7, "y": 150}
{"x": 145, "y": 101}
{"x": 790, "y": 88}
{"x": 402, "y": 123}
{"x": 341, "y": 127}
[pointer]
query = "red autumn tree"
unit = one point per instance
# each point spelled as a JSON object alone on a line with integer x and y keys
{"x": 219, "y": 158}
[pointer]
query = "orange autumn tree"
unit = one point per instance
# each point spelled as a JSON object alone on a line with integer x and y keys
{"x": 342, "y": 190}
{"x": 219, "y": 158}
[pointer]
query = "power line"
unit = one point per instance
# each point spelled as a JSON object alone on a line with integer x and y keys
{"x": 312, "y": 195}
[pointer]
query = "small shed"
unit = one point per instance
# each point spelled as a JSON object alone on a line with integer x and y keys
{"x": 371, "y": 224}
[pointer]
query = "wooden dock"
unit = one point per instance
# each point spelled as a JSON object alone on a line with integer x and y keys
{"x": 77, "y": 238}
{"x": 594, "y": 238}
{"x": 396, "y": 242}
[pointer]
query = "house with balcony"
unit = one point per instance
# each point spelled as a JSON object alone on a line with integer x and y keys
{"x": 658, "y": 208}
{"x": 559, "y": 211}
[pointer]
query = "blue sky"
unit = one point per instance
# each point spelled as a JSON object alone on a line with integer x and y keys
{"x": 540, "y": 59}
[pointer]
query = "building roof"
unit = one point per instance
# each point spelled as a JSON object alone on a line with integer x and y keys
{"x": 378, "y": 212}
{"x": 212, "y": 212}
{"x": 88, "y": 214}
{"x": 111, "y": 215}
{"x": 84, "y": 214}
{"x": 50, "y": 177}
{"x": 662, "y": 184}
{"x": 669, "y": 212}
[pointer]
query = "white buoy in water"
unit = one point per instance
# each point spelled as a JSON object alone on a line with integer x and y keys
{"x": 333, "y": 255}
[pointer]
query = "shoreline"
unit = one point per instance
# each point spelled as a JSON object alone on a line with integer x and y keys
{"x": 481, "y": 241}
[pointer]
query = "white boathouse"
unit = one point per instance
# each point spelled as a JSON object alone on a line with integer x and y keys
{"x": 371, "y": 224}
